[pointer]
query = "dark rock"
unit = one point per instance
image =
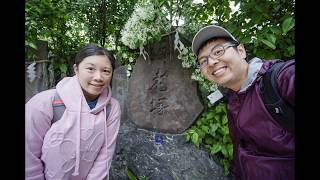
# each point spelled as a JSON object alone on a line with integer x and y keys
{"x": 120, "y": 89}
{"x": 175, "y": 159}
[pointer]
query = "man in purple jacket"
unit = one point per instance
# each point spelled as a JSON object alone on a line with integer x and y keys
{"x": 263, "y": 150}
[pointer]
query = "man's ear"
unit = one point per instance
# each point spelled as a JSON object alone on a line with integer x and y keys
{"x": 242, "y": 51}
{"x": 75, "y": 69}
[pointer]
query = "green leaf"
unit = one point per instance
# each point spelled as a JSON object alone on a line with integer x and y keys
{"x": 291, "y": 50}
{"x": 129, "y": 174}
{"x": 205, "y": 129}
{"x": 277, "y": 7}
{"x": 225, "y": 164}
{"x": 224, "y": 120}
{"x": 225, "y": 139}
{"x": 258, "y": 8}
{"x": 201, "y": 134}
{"x": 275, "y": 30}
{"x": 224, "y": 151}
{"x": 214, "y": 127}
{"x": 224, "y": 109}
{"x": 271, "y": 38}
{"x": 210, "y": 115}
{"x": 225, "y": 130}
{"x": 187, "y": 137}
{"x": 63, "y": 68}
{"x": 230, "y": 150}
{"x": 246, "y": 40}
{"x": 209, "y": 140}
{"x": 198, "y": 123}
{"x": 287, "y": 25}
{"x": 215, "y": 148}
{"x": 191, "y": 131}
{"x": 218, "y": 109}
{"x": 232, "y": 28}
{"x": 32, "y": 45}
{"x": 268, "y": 43}
{"x": 195, "y": 138}
{"x": 163, "y": 2}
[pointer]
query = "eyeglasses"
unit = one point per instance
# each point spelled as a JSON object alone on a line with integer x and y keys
{"x": 215, "y": 52}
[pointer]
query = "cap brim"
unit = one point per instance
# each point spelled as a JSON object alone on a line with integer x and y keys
{"x": 207, "y": 33}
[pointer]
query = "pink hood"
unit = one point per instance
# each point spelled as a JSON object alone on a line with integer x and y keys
{"x": 81, "y": 144}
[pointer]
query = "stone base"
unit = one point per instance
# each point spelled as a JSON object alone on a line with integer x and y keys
{"x": 175, "y": 160}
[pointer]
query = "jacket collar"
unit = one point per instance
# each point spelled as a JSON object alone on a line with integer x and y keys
{"x": 255, "y": 65}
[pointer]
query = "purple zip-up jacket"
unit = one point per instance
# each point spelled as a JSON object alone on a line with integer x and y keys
{"x": 263, "y": 150}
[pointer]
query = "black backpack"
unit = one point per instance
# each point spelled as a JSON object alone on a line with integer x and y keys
{"x": 59, "y": 108}
{"x": 279, "y": 109}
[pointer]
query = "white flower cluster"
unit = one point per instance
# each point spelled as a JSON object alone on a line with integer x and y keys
{"x": 145, "y": 23}
{"x": 125, "y": 57}
{"x": 187, "y": 57}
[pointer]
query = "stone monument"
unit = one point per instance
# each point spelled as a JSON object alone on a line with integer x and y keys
{"x": 161, "y": 96}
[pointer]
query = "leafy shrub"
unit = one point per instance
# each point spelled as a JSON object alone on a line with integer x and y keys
{"x": 211, "y": 130}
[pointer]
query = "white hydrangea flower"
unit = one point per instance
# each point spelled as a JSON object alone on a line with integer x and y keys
{"x": 129, "y": 67}
{"x": 141, "y": 26}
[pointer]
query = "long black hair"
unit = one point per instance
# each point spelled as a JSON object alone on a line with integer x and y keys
{"x": 92, "y": 50}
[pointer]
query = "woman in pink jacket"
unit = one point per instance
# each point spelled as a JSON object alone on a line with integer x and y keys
{"x": 80, "y": 145}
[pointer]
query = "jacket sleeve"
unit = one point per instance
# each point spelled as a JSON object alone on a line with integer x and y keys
{"x": 101, "y": 166}
{"x": 286, "y": 82}
{"x": 37, "y": 123}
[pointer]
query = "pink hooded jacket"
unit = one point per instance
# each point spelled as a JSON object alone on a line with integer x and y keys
{"x": 78, "y": 146}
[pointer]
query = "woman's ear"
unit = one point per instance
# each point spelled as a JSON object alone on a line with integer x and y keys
{"x": 242, "y": 51}
{"x": 75, "y": 69}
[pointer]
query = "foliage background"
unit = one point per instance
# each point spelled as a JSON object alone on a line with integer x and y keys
{"x": 265, "y": 27}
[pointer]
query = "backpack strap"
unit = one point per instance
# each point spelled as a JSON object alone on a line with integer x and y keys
{"x": 108, "y": 110}
{"x": 59, "y": 108}
{"x": 279, "y": 109}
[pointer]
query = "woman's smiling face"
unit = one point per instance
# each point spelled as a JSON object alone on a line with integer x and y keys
{"x": 94, "y": 74}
